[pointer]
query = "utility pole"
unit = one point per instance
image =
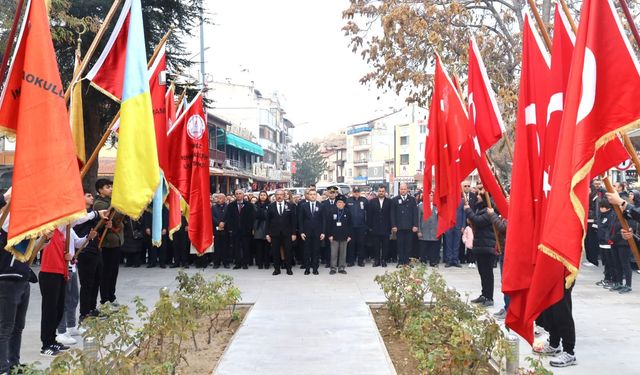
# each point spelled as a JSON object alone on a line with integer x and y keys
{"x": 202, "y": 43}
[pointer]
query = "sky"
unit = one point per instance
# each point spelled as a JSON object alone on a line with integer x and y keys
{"x": 297, "y": 49}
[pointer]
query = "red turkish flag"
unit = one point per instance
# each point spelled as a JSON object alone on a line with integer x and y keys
{"x": 446, "y": 135}
{"x": 108, "y": 72}
{"x": 188, "y": 142}
{"x": 601, "y": 101}
{"x": 526, "y": 191}
{"x": 173, "y": 199}
{"x": 485, "y": 125}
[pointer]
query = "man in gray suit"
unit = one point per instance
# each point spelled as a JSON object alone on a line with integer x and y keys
{"x": 428, "y": 242}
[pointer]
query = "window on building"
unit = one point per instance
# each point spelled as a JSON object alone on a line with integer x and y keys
{"x": 349, "y": 172}
{"x": 423, "y": 129}
{"x": 404, "y": 140}
{"x": 421, "y": 166}
{"x": 404, "y": 159}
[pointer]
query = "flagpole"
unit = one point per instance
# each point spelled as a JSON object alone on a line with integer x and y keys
{"x": 567, "y": 13}
{"x": 107, "y": 133}
{"x": 623, "y": 221}
{"x": 9, "y": 47}
{"x": 541, "y": 26}
{"x": 92, "y": 47}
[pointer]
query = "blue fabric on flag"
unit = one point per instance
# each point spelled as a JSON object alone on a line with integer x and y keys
{"x": 158, "y": 202}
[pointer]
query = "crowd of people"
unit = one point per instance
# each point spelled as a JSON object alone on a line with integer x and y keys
{"x": 281, "y": 231}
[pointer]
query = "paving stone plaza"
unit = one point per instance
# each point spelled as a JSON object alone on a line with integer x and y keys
{"x": 323, "y": 325}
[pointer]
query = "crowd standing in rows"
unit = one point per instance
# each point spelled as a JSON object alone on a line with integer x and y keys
{"x": 282, "y": 231}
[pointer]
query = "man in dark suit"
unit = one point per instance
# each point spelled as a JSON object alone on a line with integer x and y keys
{"x": 221, "y": 254}
{"x": 379, "y": 222}
{"x": 281, "y": 230}
{"x": 238, "y": 222}
{"x": 404, "y": 222}
{"x": 311, "y": 227}
{"x": 357, "y": 207}
{"x": 325, "y": 246}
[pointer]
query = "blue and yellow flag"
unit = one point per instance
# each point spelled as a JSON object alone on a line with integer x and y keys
{"x": 137, "y": 173}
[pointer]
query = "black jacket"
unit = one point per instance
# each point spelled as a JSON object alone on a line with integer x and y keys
{"x": 484, "y": 240}
{"x": 500, "y": 224}
{"x": 217, "y": 214}
{"x": 10, "y": 267}
{"x": 260, "y": 225}
{"x": 379, "y": 219}
{"x": 285, "y": 224}
{"x": 147, "y": 219}
{"x": 404, "y": 213}
{"x": 358, "y": 210}
{"x": 605, "y": 228}
{"x": 342, "y": 231}
{"x": 311, "y": 224}
{"x": 239, "y": 223}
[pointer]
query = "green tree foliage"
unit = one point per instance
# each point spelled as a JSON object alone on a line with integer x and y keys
{"x": 309, "y": 163}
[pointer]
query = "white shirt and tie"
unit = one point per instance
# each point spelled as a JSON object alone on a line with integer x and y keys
{"x": 280, "y": 209}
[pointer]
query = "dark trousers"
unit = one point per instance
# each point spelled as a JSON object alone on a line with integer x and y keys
{"x": 90, "y": 275}
{"x": 221, "y": 254}
{"x": 505, "y": 295}
{"x": 52, "y": 288}
{"x": 241, "y": 249}
{"x": 405, "y": 245}
{"x": 14, "y": 302}
{"x": 312, "y": 252}
{"x": 133, "y": 259}
{"x": 159, "y": 254}
{"x": 485, "y": 269}
{"x": 262, "y": 252}
{"x": 110, "y": 267}
{"x": 591, "y": 245}
{"x": 621, "y": 264}
{"x": 452, "y": 239}
{"x": 559, "y": 321}
{"x": 180, "y": 248}
{"x": 284, "y": 241}
{"x": 380, "y": 246}
{"x": 430, "y": 252}
{"x": 609, "y": 266}
{"x": 356, "y": 247}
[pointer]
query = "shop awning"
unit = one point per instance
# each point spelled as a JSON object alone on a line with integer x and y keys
{"x": 242, "y": 144}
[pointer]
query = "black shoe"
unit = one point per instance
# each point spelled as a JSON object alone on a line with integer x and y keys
{"x": 315, "y": 271}
{"x": 173, "y": 266}
{"x": 327, "y": 265}
{"x": 151, "y": 266}
{"x": 260, "y": 266}
{"x": 136, "y": 266}
{"x": 376, "y": 264}
{"x": 306, "y": 272}
{"x": 350, "y": 264}
{"x": 342, "y": 271}
{"x": 399, "y": 265}
{"x": 237, "y": 267}
{"x": 289, "y": 272}
{"x": 276, "y": 272}
{"x": 267, "y": 266}
{"x": 245, "y": 267}
{"x": 332, "y": 272}
{"x": 163, "y": 266}
{"x": 448, "y": 265}
{"x": 481, "y": 299}
{"x": 302, "y": 267}
{"x": 360, "y": 264}
{"x": 216, "y": 266}
{"x": 457, "y": 265}
{"x": 61, "y": 347}
{"x": 227, "y": 266}
{"x": 384, "y": 264}
{"x": 186, "y": 267}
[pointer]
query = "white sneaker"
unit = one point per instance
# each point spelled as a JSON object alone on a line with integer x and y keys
{"x": 472, "y": 265}
{"x": 65, "y": 339}
{"x": 73, "y": 331}
{"x": 564, "y": 360}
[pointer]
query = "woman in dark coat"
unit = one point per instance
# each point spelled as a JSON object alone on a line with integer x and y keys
{"x": 133, "y": 242}
{"x": 260, "y": 243}
{"x": 484, "y": 243}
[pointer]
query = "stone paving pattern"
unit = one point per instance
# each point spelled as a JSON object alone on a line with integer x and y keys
{"x": 322, "y": 324}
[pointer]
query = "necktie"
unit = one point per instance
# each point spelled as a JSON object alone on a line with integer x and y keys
{"x": 313, "y": 208}
{"x": 239, "y": 207}
{"x": 280, "y": 208}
